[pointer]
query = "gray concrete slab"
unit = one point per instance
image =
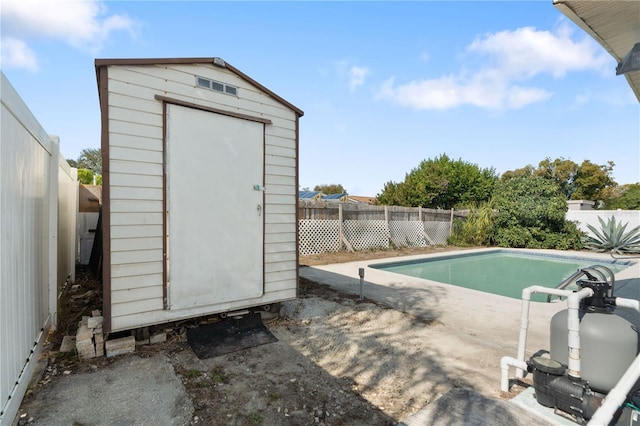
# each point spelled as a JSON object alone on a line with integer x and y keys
{"x": 133, "y": 391}
{"x": 465, "y": 407}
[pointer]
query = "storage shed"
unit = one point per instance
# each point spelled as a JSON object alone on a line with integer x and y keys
{"x": 200, "y": 178}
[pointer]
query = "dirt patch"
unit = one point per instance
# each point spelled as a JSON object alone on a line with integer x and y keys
{"x": 338, "y": 361}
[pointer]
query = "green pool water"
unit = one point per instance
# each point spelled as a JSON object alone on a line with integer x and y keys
{"x": 499, "y": 272}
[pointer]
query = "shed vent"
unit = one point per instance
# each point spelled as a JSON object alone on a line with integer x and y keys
{"x": 216, "y": 86}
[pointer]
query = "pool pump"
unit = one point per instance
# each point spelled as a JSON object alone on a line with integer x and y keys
{"x": 579, "y": 373}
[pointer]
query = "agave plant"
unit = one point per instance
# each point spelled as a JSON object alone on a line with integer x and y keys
{"x": 613, "y": 237}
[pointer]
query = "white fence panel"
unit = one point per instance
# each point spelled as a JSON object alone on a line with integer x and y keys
{"x": 438, "y": 232}
{"x": 29, "y": 211}
{"x": 67, "y": 218}
{"x": 590, "y": 217}
{"x": 408, "y": 233}
{"x": 367, "y": 234}
{"x": 319, "y": 236}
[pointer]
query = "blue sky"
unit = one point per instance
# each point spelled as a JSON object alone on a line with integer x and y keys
{"x": 384, "y": 85}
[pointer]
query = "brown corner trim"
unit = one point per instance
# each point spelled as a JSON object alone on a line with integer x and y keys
{"x": 103, "y": 92}
{"x": 297, "y": 208}
{"x": 215, "y": 110}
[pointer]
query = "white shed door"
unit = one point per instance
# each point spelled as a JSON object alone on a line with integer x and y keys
{"x": 215, "y": 208}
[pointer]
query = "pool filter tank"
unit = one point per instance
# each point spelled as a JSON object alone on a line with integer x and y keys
{"x": 608, "y": 342}
{"x": 608, "y": 346}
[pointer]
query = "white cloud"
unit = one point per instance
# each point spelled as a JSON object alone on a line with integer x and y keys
{"x": 506, "y": 58}
{"x": 357, "y": 76}
{"x": 85, "y": 25}
{"x": 353, "y": 75}
{"x": 15, "y": 53}
{"x": 526, "y": 52}
{"x": 451, "y": 92}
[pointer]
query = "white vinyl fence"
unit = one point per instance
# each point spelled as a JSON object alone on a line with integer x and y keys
{"x": 38, "y": 203}
{"x": 590, "y": 217}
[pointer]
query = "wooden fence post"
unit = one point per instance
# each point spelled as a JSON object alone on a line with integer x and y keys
{"x": 341, "y": 230}
{"x": 451, "y": 223}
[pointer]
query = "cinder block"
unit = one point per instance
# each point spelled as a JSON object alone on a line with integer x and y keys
{"x": 98, "y": 338}
{"x": 68, "y": 344}
{"x": 93, "y": 322}
{"x": 85, "y": 346}
{"x": 88, "y": 352}
{"x": 158, "y": 338}
{"x": 124, "y": 345}
{"x": 83, "y": 333}
{"x": 96, "y": 313}
{"x": 99, "y": 349}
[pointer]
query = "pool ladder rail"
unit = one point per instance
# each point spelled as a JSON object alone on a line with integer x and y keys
{"x": 593, "y": 273}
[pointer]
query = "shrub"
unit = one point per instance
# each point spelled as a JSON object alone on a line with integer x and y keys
{"x": 476, "y": 230}
{"x": 613, "y": 237}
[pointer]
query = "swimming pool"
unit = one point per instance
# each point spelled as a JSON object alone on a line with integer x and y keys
{"x": 502, "y": 272}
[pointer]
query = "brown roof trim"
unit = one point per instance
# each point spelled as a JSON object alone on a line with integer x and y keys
{"x": 159, "y": 61}
{"x": 209, "y": 109}
{"x": 264, "y": 89}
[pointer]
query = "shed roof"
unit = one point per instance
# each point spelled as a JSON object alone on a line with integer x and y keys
{"x": 214, "y": 61}
{"x": 615, "y": 24}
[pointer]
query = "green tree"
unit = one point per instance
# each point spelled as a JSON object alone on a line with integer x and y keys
{"x": 531, "y": 214}
{"x": 585, "y": 181}
{"x": 90, "y": 158}
{"x": 524, "y": 171}
{"x": 330, "y": 189}
{"x": 441, "y": 183}
{"x": 592, "y": 181}
{"x": 625, "y": 197}
{"x": 561, "y": 171}
{"x": 85, "y": 176}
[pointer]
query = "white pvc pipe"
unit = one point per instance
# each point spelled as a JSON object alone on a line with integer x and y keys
{"x": 616, "y": 396}
{"x": 573, "y": 324}
{"x": 628, "y": 303}
{"x": 505, "y": 362}
{"x": 524, "y": 317}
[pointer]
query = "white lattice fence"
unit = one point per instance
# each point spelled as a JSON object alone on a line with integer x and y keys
{"x": 408, "y": 233}
{"x": 367, "y": 234}
{"x": 319, "y": 236}
{"x": 438, "y": 232}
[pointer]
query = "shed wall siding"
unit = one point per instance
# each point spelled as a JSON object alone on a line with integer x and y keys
{"x": 136, "y": 179}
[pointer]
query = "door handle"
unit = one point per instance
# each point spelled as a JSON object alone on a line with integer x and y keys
{"x": 259, "y": 208}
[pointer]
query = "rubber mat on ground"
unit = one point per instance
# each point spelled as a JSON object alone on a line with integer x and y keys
{"x": 229, "y": 335}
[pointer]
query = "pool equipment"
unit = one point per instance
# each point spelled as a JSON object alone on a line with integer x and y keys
{"x": 593, "y": 368}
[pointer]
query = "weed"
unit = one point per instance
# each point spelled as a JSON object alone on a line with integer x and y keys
{"x": 218, "y": 375}
{"x": 255, "y": 418}
{"x": 204, "y": 383}
{"x": 273, "y": 396}
{"x": 193, "y": 373}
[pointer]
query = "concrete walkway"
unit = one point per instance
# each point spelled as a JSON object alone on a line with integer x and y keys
{"x": 133, "y": 391}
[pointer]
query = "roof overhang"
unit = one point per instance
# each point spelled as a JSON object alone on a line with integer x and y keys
{"x": 615, "y": 24}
